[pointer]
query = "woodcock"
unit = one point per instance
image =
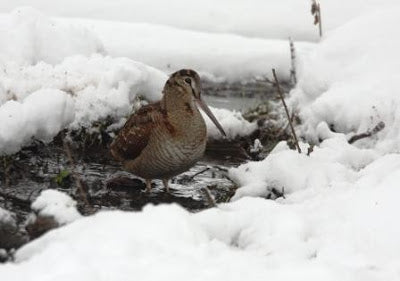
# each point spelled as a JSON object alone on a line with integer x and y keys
{"x": 164, "y": 139}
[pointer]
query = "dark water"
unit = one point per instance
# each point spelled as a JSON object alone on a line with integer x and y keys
{"x": 238, "y": 96}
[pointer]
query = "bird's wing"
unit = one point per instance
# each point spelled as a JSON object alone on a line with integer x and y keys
{"x": 135, "y": 134}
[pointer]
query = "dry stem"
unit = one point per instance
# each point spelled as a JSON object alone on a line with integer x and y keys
{"x": 316, "y": 12}
{"x": 293, "y": 76}
{"x": 278, "y": 87}
{"x": 209, "y": 197}
{"x": 379, "y": 127}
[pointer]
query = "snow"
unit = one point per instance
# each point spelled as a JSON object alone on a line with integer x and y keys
{"x": 56, "y": 204}
{"x": 344, "y": 193}
{"x": 29, "y": 37}
{"x": 232, "y": 121}
{"x": 252, "y": 237}
{"x": 33, "y": 37}
{"x": 349, "y": 82}
{"x": 22, "y": 121}
{"x": 256, "y": 18}
{"x": 215, "y": 56}
{"x": 75, "y": 93}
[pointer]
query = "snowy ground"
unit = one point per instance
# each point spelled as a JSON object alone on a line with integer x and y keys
{"x": 338, "y": 220}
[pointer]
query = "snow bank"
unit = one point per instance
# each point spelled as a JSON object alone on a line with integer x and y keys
{"x": 333, "y": 162}
{"x": 40, "y": 100}
{"x": 342, "y": 196}
{"x": 350, "y": 82}
{"x": 29, "y": 37}
{"x": 347, "y": 86}
{"x": 216, "y": 56}
{"x": 310, "y": 240}
{"x": 56, "y": 204}
{"x": 21, "y": 121}
{"x": 255, "y": 18}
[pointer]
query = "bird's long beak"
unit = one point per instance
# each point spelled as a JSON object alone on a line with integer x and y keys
{"x": 207, "y": 110}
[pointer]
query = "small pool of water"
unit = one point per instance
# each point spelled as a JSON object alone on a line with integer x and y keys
{"x": 242, "y": 104}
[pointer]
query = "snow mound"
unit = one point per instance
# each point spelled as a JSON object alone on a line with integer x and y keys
{"x": 40, "y": 100}
{"x": 79, "y": 91}
{"x": 56, "y": 204}
{"x": 29, "y": 37}
{"x": 332, "y": 163}
{"x": 349, "y": 83}
{"x": 41, "y": 115}
{"x": 216, "y": 56}
{"x": 311, "y": 239}
{"x": 232, "y": 122}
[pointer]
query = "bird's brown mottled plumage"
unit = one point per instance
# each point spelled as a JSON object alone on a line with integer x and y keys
{"x": 166, "y": 138}
{"x": 135, "y": 134}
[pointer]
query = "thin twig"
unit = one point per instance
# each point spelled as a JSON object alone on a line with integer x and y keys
{"x": 310, "y": 149}
{"x": 316, "y": 12}
{"x": 278, "y": 87}
{"x": 293, "y": 76}
{"x": 78, "y": 181}
{"x": 320, "y": 20}
{"x": 379, "y": 127}
{"x": 209, "y": 197}
{"x": 198, "y": 173}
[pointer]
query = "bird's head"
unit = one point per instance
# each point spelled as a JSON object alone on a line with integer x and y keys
{"x": 188, "y": 81}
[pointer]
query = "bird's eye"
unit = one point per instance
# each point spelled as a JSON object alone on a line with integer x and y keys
{"x": 187, "y": 80}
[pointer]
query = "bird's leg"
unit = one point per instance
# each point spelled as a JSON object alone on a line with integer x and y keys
{"x": 165, "y": 183}
{"x": 148, "y": 186}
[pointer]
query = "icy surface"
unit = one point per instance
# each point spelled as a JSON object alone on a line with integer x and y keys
{"x": 56, "y": 204}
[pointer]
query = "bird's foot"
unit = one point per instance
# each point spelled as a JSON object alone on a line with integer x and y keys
{"x": 166, "y": 186}
{"x": 148, "y": 186}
